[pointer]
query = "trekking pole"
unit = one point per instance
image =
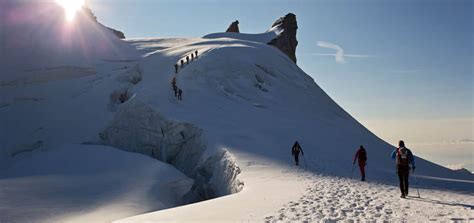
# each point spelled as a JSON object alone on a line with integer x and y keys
{"x": 352, "y": 171}
{"x": 417, "y": 185}
{"x": 304, "y": 160}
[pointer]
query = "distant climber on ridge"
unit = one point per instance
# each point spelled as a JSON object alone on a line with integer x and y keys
{"x": 173, "y": 81}
{"x": 187, "y": 59}
{"x": 192, "y": 56}
{"x": 295, "y": 151}
{"x": 361, "y": 156}
{"x": 180, "y": 94}
{"x": 196, "y": 52}
{"x": 175, "y": 68}
{"x": 404, "y": 158}
{"x": 175, "y": 88}
{"x": 182, "y": 63}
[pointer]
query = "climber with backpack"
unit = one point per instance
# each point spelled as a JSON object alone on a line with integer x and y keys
{"x": 361, "y": 156}
{"x": 404, "y": 158}
{"x": 295, "y": 151}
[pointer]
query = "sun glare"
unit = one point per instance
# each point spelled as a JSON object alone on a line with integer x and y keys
{"x": 70, "y": 7}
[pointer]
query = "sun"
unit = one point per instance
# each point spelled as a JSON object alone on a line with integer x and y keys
{"x": 70, "y": 7}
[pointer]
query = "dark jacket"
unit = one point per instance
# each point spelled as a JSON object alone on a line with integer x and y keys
{"x": 295, "y": 151}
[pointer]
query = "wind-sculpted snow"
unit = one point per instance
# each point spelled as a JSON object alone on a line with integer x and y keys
{"x": 139, "y": 128}
{"x": 260, "y": 38}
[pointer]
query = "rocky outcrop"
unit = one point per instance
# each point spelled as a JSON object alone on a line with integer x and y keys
{"x": 234, "y": 27}
{"x": 286, "y": 40}
{"x": 117, "y": 33}
{"x": 90, "y": 14}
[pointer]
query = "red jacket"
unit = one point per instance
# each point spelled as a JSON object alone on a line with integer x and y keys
{"x": 361, "y": 154}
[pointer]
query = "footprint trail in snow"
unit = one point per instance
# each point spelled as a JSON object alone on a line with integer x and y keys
{"x": 333, "y": 199}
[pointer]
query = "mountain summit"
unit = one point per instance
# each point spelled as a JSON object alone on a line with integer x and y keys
{"x": 233, "y": 27}
{"x": 284, "y": 39}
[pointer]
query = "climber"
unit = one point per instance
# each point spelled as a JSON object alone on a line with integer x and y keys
{"x": 173, "y": 85}
{"x": 180, "y": 94}
{"x": 187, "y": 59}
{"x": 196, "y": 52}
{"x": 295, "y": 151}
{"x": 192, "y": 56}
{"x": 173, "y": 81}
{"x": 175, "y": 89}
{"x": 182, "y": 63}
{"x": 404, "y": 158}
{"x": 361, "y": 156}
{"x": 175, "y": 68}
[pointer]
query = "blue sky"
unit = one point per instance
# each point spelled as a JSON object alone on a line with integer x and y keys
{"x": 418, "y": 72}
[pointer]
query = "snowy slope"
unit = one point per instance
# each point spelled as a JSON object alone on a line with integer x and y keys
{"x": 251, "y": 87}
{"x": 40, "y": 48}
{"x": 35, "y": 36}
{"x": 290, "y": 195}
{"x": 57, "y": 186}
{"x": 253, "y": 101}
{"x": 244, "y": 104}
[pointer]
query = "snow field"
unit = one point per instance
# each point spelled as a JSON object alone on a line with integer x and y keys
{"x": 268, "y": 186}
{"x": 335, "y": 199}
{"x": 87, "y": 183}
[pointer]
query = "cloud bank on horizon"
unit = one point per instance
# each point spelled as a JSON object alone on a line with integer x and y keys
{"x": 340, "y": 56}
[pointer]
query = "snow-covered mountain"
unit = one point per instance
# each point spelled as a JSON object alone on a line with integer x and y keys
{"x": 35, "y": 36}
{"x": 91, "y": 132}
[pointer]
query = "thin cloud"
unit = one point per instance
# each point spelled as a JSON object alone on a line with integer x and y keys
{"x": 462, "y": 141}
{"x": 340, "y": 56}
{"x": 467, "y": 140}
{"x": 406, "y": 71}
